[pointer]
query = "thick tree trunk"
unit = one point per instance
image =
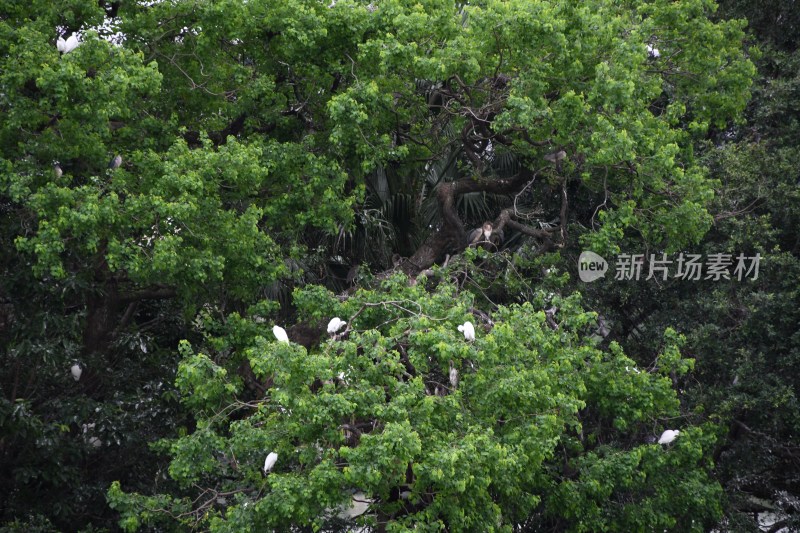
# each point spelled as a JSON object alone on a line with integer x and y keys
{"x": 433, "y": 250}
{"x": 102, "y": 308}
{"x": 104, "y": 312}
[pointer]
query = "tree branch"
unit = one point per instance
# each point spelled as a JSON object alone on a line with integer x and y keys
{"x": 451, "y": 237}
{"x": 156, "y": 292}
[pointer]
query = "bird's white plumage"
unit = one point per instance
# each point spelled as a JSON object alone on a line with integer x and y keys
{"x": 280, "y": 334}
{"x": 69, "y": 45}
{"x": 72, "y": 43}
{"x": 468, "y": 330}
{"x": 653, "y": 51}
{"x": 76, "y": 371}
{"x": 668, "y": 436}
{"x": 270, "y": 461}
{"x": 358, "y": 506}
{"x": 335, "y": 325}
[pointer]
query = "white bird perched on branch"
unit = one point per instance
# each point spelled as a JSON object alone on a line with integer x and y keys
{"x": 335, "y": 325}
{"x": 668, "y": 436}
{"x": 280, "y": 334}
{"x": 270, "y": 461}
{"x": 358, "y": 506}
{"x": 468, "y": 330}
{"x": 76, "y": 371}
{"x": 69, "y": 45}
{"x": 653, "y": 51}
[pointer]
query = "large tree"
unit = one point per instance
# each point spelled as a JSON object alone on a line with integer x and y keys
{"x": 266, "y": 144}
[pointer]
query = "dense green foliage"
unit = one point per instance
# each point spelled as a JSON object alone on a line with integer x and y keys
{"x": 504, "y": 447}
{"x": 277, "y": 153}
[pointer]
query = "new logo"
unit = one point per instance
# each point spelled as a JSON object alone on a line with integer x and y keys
{"x": 591, "y": 266}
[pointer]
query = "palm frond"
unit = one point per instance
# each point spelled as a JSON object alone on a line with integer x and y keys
{"x": 505, "y": 164}
{"x": 399, "y": 209}
{"x": 378, "y": 184}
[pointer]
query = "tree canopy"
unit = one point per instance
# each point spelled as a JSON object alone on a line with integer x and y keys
{"x": 282, "y": 162}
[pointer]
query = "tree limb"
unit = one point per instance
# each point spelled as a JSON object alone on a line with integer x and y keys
{"x": 156, "y": 292}
{"x": 451, "y": 237}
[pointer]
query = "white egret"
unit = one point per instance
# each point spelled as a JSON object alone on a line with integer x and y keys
{"x": 468, "y": 330}
{"x": 453, "y": 375}
{"x": 72, "y": 43}
{"x": 335, "y": 325}
{"x": 358, "y": 506}
{"x": 270, "y": 461}
{"x": 280, "y": 334}
{"x": 76, "y": 371}
{"x": 668, "y": 436}
{"x": 69, "y": 45}
{"x": 653, "y": 51}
